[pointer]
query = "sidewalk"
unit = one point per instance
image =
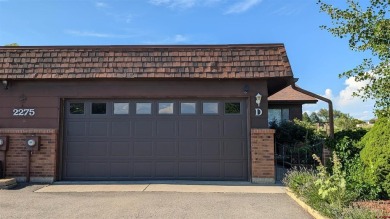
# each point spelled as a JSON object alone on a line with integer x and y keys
{"x": 163, "y": 186}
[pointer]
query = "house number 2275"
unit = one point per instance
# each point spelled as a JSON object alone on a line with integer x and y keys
{"x": 23, "y": 112}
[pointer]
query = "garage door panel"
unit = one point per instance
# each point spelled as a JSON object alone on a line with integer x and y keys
{"x": 210, "y": 169}
{"x": 75, "y": 169}
{"x": 76, "y": 148}
{"x": 143, "y": 128}
{"x": 76, "y": 128}
{"x": 121, "y": 128}
{"x": 188, "y": 169}
{"x": 166, "y": 169}
{"x": 121, "y": 169}
{"x": 188, "y": 128}
{"x": 233, "y": 128}
{"x": 98, "y": 129}
{"x": 166, "y": 129}
{"x": 143, "y": 169}
{"x": 211, "y": 149}
{"x": 97, "y": 169}
{"x": 211, "y": 128}
{"x": 120, "y": 148}
{"x": 234, "y": 169}
{"x": 165, "y": 149}
{"x": 143, "y": 148}
{"x": 234, "y": 148}
{"x": 97, "y": 149}
{"x": 188, "y": 148}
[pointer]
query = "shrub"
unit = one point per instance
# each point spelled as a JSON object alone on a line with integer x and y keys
{"x": 295, "y": 132}
{"x": 346, "y": 146}
{"x": 299, "y": 179}
{"x": 332, "y": 187}
{"x": 375, "y": 156}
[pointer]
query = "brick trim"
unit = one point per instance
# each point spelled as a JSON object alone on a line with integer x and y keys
{"x": 262, "y": 156}
{"x": 263, "y": 131}
{"x": 27, "y": 131}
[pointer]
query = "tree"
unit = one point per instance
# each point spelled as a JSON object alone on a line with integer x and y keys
{"x": 323, "y": 115}
{"x": 12, "y": 44}
{"x": 314, "y": 118}
{"x": 367, "y": 30}
{"x": 305, "y": 117}
{"x": 346, "y": 122}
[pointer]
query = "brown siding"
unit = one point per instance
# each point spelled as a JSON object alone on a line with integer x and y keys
{"x": 296, "y": 112}
{"x": 45, "y": 96}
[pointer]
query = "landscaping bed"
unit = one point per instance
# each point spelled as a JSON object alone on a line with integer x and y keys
{"x": 382, "y": 206}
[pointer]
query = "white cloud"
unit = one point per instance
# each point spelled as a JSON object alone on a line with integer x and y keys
{"x": 345, "y": 97}
{"x": 242, "y": 6}
{"x": 178, "y": 38}
{"x": 328, "y": 94}
{"x": 345, "y": 102}
{"x": 290, "y": 9}
{"x": 95, "y": 34}
{"x": 101, "y": 5}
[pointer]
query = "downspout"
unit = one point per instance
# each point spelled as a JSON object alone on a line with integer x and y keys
{"x": 330, "y": 105}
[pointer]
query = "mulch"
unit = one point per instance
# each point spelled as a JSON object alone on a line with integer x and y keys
{"x": 380, "y": 206}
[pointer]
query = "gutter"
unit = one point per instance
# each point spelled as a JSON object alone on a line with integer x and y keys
{"x": 330, "y": 105}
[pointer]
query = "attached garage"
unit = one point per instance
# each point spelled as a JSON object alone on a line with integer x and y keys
{"x": 193, "y": 112}
{"x": 155, "y": 139}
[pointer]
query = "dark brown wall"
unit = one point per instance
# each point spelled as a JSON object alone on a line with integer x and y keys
{"x": 45, "y": 96}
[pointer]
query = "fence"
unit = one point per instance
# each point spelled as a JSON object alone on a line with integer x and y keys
{"x": 299, "y": 155}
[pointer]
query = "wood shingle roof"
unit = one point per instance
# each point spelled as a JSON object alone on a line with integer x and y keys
{"x": 197, "y": 61}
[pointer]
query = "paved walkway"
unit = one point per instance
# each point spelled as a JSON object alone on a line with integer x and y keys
{"x": 185, "y": 186}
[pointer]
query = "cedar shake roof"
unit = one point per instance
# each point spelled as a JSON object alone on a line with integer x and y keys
{"x": 193, "y": 61}
{"x": 288, "y": 94}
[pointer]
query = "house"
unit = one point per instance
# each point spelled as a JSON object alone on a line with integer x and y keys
{"x": 196, "y": 112}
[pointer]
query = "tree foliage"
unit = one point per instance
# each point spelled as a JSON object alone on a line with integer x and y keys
{"x": 12, "y": 44}
{"x": 342, "y": 121}
{"x": 376, "y": 155}
{"x": 367, "y": 30}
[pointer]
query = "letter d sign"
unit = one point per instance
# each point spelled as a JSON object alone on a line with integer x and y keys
{"x": 258, "y": 112}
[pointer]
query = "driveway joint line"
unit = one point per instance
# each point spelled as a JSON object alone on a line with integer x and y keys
{"x": 146, "y": 187}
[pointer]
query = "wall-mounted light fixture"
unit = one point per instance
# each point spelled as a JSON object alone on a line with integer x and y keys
{"x": 246, "y": 89}
{"x": 258, "y": 99}
{"x": 5, "y": 84}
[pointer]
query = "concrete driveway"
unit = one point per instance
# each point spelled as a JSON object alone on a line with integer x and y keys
{"x": 23, "y": 202}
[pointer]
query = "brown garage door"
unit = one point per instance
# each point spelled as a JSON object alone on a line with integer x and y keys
{"x": 155, "y": 139}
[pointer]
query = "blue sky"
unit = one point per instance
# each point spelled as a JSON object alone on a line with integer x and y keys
{"x": 316, "y": 56}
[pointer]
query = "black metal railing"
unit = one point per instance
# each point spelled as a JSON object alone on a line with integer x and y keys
{"x": 300, "y": 155}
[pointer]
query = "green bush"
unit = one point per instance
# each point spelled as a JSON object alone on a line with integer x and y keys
{"x": 323, "y": 191}
{"x": 295, "y": 132}
{"x": 357, "y": 182}
{"x": 375, "y": 156}
{"x": 347, "y": 147}
{"x": 302, "y": 183}
{"x": 354, "y": 134}
{"x": 333, "y": 186}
